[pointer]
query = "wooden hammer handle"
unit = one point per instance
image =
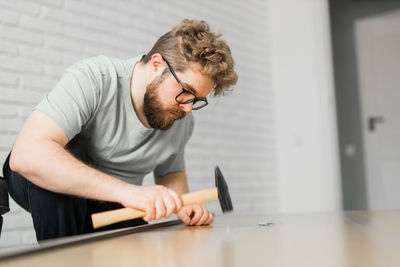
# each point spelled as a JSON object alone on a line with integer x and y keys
{"x": 113, "y": 216}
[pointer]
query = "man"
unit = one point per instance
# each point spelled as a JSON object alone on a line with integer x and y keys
{"x": 88, "y": 144}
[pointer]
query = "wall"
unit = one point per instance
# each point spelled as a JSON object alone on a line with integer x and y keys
{"x": 39, "y": 39}
{"x": 302, "y": 84}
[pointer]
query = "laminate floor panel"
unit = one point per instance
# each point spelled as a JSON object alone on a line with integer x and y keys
{"x": 357, "y": 238}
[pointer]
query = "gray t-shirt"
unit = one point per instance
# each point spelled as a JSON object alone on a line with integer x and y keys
{"x": 92, "y": 104}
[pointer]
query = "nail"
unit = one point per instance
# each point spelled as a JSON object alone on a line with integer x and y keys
{"x": 264, "y": 223}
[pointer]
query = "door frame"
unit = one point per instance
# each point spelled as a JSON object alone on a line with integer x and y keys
{"x": 348, "y": 101}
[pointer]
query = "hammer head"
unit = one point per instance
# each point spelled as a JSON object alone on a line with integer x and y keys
{"x": 223, "y": 191}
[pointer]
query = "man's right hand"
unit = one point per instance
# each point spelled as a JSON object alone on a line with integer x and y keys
{"x": 156, "y": 200}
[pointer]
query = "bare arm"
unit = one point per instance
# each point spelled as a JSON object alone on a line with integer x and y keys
{"x": 39, "y": 155}
{"x": 176, "y": 181}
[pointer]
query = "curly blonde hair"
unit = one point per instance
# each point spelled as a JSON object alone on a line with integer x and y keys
{"x": 191, "y": 44}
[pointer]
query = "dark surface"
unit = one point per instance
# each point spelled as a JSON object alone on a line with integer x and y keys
{"x": 4, "y": 205}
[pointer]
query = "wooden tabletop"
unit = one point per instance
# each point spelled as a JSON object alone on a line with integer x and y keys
{"x": 357, "y": 238}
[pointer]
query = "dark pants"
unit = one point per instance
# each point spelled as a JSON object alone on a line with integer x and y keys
{"x": 57, "y": 215}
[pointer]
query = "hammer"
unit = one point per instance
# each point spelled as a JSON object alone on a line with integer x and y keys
{"x": 221, "y": 192}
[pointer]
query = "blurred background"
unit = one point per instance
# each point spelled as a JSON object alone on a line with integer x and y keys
{"x": 310, "y": 127}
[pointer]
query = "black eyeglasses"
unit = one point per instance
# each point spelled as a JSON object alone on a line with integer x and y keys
{"x": 186, "y": 97}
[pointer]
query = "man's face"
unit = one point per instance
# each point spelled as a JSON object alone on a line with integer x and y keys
{"x": 156, "y": 114}
{"x": 160, "y": 107}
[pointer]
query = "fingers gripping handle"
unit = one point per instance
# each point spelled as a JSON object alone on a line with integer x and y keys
{"x": 119, "y": 215}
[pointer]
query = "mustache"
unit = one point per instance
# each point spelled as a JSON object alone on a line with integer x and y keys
{"x": 179, "y": 112}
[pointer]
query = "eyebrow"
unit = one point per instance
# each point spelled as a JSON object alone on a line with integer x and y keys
{"x": 187, "y": 86}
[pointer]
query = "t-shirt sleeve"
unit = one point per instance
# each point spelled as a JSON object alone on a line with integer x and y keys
{"x": 176, "y": 163}
{"x": 74, "y": 99}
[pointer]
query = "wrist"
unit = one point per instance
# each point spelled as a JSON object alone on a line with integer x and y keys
{"x": 119, "y": 192}
{"x": 126, "y": 192}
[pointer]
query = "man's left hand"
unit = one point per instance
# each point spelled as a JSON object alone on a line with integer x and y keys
{"x": 195, "y": 215}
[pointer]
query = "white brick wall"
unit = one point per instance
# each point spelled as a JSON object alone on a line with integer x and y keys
{"x": 39, "y": 39}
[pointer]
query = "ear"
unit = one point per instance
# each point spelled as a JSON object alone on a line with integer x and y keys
{"x": 156, "y": 63}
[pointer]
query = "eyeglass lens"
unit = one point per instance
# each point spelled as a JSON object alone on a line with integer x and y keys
{"x": 186, "y": 97}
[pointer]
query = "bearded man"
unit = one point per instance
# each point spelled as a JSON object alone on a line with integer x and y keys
{"x": 88, "y": 144}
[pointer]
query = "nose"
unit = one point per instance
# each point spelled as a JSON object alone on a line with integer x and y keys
{"x": 186, "y": 107}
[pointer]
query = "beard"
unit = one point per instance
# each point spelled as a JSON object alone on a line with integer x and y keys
{"x": 154, "y": 111}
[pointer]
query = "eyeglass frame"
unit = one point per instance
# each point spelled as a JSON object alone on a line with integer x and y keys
{"x": 194, "y": 100}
